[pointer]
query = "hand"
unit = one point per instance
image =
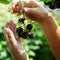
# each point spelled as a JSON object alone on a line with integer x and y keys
{"x": 33, "y": 10}
{"x": 14, "y": 43}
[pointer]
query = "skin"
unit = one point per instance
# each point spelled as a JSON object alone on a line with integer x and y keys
{"x": 47, "y": 23}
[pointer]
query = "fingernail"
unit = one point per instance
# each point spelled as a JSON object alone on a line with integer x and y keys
{"x": 25, "y": 9}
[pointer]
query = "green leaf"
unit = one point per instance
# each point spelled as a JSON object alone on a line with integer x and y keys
{"x": 31, "y": 53}
{"x": 45, "y": 0}
{"x": 5, "y": 1}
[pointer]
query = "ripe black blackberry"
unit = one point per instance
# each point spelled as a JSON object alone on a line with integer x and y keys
{"x": 19, "y": 35}
{"x": 29, "y": 27}
{"x": 57, "y": 3}
{"x": 19, "y": 30}
{"x": 51, "y": 6}
{"x": 25, "y": 34}
{"x": 31, "y": 35}
{"x": 56, "y": 0}
{"x": 21, "y": 20}
{"x": 47, "y": 3}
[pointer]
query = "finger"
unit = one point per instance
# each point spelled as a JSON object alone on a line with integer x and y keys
{"x": 7, "y": 25}
{"x": 15, "y": 2}
{"x": 11, "y": 37}
{"x": 30, "y": 3}
{"x": 7, "y": 39}
{"x": 19, "y": 39}
{"x": 12, "y": 27}
{"x": 31, "y": 13}
{"x": 11, "y": 24}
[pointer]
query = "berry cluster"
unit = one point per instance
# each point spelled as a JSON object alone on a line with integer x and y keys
{"x": 53, "y": 4}
{"x": 25, "y": 33}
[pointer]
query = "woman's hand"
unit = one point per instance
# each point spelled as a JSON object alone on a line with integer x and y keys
{"x": 33, "y": 10}
{"x": 14, "y": 43}
{"x": 51, "y": 29}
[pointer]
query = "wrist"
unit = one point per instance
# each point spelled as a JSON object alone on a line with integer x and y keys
{"x": 43, "y": 16}
{"x": 23, "y": 57}
{"x": 46, "y": 18}
{"x": 49, "y": 23}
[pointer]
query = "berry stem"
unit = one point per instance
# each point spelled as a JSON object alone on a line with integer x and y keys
{"x": 21, "y": 6}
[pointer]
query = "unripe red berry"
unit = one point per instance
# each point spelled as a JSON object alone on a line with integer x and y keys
{"x": 15, "y": 9}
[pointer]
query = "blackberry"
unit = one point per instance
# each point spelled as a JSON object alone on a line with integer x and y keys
{"x": 47, "y": 3}
{"x": 21, "y": 20}
{"x": 31, "y": 35}
{"x": 19, "y": 35}
{"x": 56, "y": 0}
{"x": 51, "y": 6}
{"x": 57, "y": 4}
{"x": 19, "y": 30}
{"x": 25, "y": 35}
{"x": 29, "y": 26}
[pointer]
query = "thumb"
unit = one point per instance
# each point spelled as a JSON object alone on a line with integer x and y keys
{"x": 29, "y": 12}
{"x": 11, "y": 36}
{"x": 32, "y": 13}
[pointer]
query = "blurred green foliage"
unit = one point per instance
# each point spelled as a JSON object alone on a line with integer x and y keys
{"x": 37, "y": 48}
{"x": 45, "y": 0}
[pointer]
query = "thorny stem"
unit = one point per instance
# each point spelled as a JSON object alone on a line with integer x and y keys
{"x": 21, "y": 6}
